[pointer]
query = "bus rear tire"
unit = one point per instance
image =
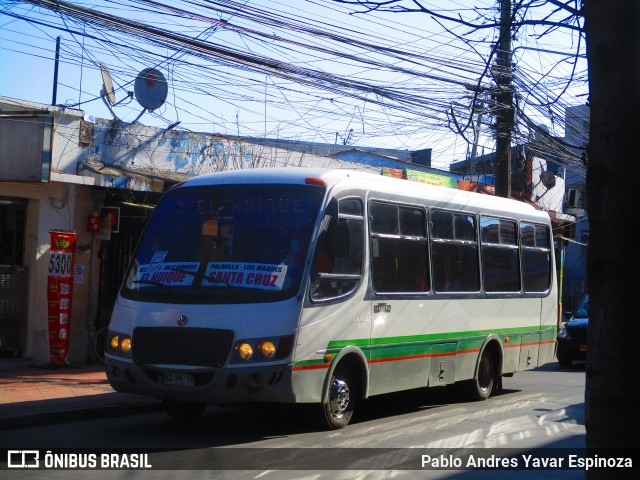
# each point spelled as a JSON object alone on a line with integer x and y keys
{"x": 183, "y": 411}
{"x": 337, "y": 412}
{"x": 482, "y": 385}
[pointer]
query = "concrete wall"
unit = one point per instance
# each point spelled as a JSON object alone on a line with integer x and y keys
{"x": 139, "y": 146}
{"x": 66, "y": 149}
{"x": 54, "y": 206}
{"x": 65, "y": 202}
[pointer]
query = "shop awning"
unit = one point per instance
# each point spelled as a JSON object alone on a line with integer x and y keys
{"x": 138, "y": 179}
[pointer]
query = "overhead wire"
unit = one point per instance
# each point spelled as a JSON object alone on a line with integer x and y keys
{"x": 414, "y": 101}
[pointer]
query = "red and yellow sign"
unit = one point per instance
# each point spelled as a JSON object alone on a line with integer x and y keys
{"x": 62, "y": 262}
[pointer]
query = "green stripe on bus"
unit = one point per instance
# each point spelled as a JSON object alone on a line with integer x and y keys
{"x": 419, "y": 346}
{"x": 439, "y": 337}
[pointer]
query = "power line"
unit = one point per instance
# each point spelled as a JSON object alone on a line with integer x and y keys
{"x": 402, "y": 87}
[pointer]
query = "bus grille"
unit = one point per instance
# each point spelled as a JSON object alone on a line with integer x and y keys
{"x": 205, "y": 347}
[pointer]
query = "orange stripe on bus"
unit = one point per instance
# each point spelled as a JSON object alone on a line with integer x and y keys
{"x": 310, "y": 367}
{"x": 426, "y": 355}
{"x": 473, "y": 350}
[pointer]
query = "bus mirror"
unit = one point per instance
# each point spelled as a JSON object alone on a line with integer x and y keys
{"x": 341, "y": 240}
{"x": 210, "y": 228}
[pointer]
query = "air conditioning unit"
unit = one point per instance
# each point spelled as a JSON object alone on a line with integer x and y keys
{"x": 573, "y": 198}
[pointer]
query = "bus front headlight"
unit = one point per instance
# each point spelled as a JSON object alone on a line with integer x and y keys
{"x": 125, "y": 346}
{"x": 245, "y": 351}
{"x": 260, "y": 350}
{"x": 267, "y": 348}
{"x": 119, "y": 345}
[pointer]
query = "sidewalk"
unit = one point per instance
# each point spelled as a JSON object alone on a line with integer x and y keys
{"x": 32, "y": 395}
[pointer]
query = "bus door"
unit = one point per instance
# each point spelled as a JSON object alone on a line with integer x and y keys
{"x": 337, "y": 313}
{"x": 400, "y": 351}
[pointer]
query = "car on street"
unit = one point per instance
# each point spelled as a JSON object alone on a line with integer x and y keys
{"x": 572, "y": 336}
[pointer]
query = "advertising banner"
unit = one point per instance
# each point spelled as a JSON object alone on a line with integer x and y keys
{"x": 432, "y": 179}
{"x": 59, "y": 293}
{"x": 392, "y": 172}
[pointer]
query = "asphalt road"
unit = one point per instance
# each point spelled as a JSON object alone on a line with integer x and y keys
{"x": 539, "y": 409}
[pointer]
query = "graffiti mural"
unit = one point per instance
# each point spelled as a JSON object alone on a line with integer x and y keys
{"x": 139, "y": 147}
{"x": 181, "y": 152}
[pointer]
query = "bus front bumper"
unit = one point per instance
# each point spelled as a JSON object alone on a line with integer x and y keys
{"x": 203, "y": 385}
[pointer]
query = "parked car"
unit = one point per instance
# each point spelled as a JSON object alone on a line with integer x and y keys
{"x": 572, "y": 336}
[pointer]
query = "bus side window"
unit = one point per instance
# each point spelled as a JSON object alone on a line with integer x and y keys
{"x": 324, "y": 259}
{"x": 337, "y": 267}
{"x": 500, "y": 264}
{"x": 347, "y": 247}
{"x": 454, "y": 251}
{"x": 399, "y": 248}
{"x": 536, "y": 257}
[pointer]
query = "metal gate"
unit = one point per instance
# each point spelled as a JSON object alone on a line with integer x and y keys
{"x": 114, "y": 260}
{"x": 13, "y": 291}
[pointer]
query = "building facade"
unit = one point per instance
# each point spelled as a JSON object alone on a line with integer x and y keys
{"x": 551, "y": 174}
{"x": 98, "y": 180}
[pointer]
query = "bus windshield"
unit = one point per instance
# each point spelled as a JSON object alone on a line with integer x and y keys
{"x": 225, "y": 244}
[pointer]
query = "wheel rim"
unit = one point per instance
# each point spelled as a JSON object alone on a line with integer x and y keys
{"x": 485, "y": 374}
{"x": 339, "y": 398}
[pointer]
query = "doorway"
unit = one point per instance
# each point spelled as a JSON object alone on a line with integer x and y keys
{"x": 116, "y": 253}
{"x": 13, "y": 275}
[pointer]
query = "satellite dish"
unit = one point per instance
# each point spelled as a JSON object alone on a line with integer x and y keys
{"x": 107, "y": 85}
{"x": 151, "y": 88}
{"x": 548, "y": 179}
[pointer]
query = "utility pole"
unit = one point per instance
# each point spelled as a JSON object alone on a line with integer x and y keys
{"x": 476, "y": 134}
{"x": 55, "y": 73}
{"x": 503, "y": 76}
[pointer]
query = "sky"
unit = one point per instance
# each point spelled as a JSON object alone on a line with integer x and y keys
{"x": 308, "y": 70}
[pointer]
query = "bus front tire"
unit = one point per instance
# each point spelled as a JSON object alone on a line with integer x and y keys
{"x": 183, "y": 411}
{"x": 337, "y": 412}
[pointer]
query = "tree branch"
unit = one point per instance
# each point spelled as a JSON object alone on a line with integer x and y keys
{"x": 392, "y": 6}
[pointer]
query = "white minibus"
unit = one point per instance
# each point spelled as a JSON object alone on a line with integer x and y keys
{"x": 328, "y": 287}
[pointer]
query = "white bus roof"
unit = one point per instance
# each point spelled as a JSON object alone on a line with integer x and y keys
{"x": 343, "y": 178}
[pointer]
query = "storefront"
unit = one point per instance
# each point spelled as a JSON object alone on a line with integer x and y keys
{"x": 13, "y": 276}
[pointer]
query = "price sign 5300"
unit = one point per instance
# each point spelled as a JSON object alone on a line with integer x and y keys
{"x": 60, "y": 264}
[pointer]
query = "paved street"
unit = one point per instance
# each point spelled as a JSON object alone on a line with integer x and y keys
{"x": 538, "y": 409}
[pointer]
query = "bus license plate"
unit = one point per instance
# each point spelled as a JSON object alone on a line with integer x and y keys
{"x": 583, "y": 347}
{"x": 180, "y": 379}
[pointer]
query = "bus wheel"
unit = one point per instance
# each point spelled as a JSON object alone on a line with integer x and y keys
{"x": 337, "y": 412}
{"x": 481, "y": 386}
{"x": 183, "y": 411}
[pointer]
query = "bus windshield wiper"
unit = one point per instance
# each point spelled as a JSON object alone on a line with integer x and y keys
{"x": 217, "y": 283}
{"x": 151, "y": 282}
{"x": 188, "y": 272}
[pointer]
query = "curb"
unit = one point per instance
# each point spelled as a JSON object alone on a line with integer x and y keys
{"x": 77, "y": 414}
